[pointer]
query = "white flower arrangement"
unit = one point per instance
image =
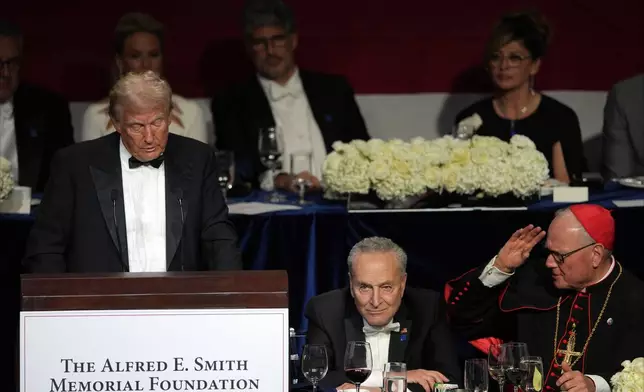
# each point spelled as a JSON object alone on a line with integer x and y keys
{"x": 631, "y": 378}
{"x": 6, "y": 179}
{"x": 482, "y": 166}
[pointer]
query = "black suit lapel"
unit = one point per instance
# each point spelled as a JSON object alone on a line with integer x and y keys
{"x": 108, "y": 182}
{"x": 259, "y": 113}
{"x": 353, "y": 326}
{"x": 316, "y": 100}
{"x": 177, "y": 176}
{"x": 28, "y": 139}
{"x": 398, "y": 340}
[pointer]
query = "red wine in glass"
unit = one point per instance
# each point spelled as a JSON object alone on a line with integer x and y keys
{"x": 357, "y": 376}
{"x": 357, "y": 362}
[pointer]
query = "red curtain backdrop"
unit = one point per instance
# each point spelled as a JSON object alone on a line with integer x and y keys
{"x": 383, "y": 47}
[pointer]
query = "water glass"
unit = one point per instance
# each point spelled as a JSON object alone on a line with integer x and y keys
{"x": 531, "y": 374}
{"x": 476, "y": 378}
{"x": 315, "y": 363}
{"x": 301, "y": 161}
{"x": 394, "y": 378}
{"x": 225, "y": 164}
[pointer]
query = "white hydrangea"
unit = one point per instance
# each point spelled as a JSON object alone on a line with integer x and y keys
{"x": 631, "y": 378}
{"x": 396, "y": 169}
{"x": 6, "y": 178}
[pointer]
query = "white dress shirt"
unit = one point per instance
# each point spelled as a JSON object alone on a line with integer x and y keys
{"x": 379, "y": 343}
{"x": 8, "y": 143}
{"x": 188, "y": 119}
{"x": 492, "y": 276}
{"x": 144, "y": 201}
{"x": 296, "y": 123}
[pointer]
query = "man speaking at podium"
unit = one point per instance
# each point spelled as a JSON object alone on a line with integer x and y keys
{"x": 137, "y": 200}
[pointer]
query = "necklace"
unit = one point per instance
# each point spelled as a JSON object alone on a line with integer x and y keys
{"x": 523, "y": 110}
{"x": 570, "y": 352}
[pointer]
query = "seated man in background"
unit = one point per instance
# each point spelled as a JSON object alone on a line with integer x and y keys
{"x": 34, "y": 122}
{"x": 136, "y": 200}
{"x": 400, "y": 324}
{"x": 310, "y": 110}
{"x": 623, "y": 132}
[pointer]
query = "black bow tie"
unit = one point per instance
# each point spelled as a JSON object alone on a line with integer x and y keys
{"x": 155, "y": 163}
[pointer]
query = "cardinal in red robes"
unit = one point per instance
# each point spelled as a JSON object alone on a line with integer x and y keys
{"x": 569, "y": 299}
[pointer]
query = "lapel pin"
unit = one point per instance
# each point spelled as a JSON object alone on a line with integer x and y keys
{"x": 328, "y": 118}
{"x": 403, "y": 334}
{"x": 609, "y": 321}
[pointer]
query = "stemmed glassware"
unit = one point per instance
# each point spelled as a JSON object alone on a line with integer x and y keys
{"x": 315, "y": 363}
{"x": 495, "y": 364}
{"x": 511, "y": 362}
{"x": 357, "y": 362}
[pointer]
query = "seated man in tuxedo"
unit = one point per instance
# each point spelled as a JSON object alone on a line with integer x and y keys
{"x": 623, "y": 131}
{"x": 400, "y": 324}
{"x": 138, "y": 199}
{"x": 34, "y": 123}
{"x": 310, "y": 110}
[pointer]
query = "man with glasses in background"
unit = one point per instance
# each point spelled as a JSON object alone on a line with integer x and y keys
{"x": 34, "y": 122}
{"x": 580, "y": 310}
{"x": 310, "y": 110}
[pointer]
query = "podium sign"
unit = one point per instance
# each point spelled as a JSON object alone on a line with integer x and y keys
{"x": 154, "y": 350}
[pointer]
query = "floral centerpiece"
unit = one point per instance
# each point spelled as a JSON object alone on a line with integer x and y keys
{"x": 6, "y": 179}
{"x": 483, "y": 166}
{"x": 631, "y": 378}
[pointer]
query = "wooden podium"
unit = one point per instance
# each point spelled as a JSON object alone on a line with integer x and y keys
{"x": 167, "y": 290}
{"x": 154, "y": 331}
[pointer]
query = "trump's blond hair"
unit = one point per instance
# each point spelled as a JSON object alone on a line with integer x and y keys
{"x": 139, "y": 92}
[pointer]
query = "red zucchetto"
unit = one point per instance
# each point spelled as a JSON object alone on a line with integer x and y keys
{"x": 597, "y": 221}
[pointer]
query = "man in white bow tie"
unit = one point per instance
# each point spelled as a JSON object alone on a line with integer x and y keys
{"x": 310, "y": 110}
{"x": 401, "y": 324}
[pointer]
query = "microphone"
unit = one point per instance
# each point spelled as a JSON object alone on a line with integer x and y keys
{"x": 180, "y": 200}
{"x": 114, "y": 195}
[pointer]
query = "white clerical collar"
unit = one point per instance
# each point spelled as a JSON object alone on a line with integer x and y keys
{"x": 606, "y": 275}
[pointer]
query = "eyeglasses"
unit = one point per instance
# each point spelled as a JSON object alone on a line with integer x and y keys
{"x": 561, "y": 257}
{"x": 11, "y": 63}
{"x": 275, "y": 41}
{"x": 513, "y": 59}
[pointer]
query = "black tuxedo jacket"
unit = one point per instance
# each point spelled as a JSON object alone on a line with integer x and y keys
{"x": 334, "y": 321}
{"x": 76, "y": 229}
{"x": 240, "y": 111}
{"x": 43, "y": 126}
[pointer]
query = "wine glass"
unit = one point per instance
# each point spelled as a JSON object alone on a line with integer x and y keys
{"x": 315, "y": 363}
{"x": 357, "y": 362}
{"x": 512, "y": 354}
{"x": 531, "y": 373}
{"x": 301, "y": 162}
{"x": 225, "y": 164}
{"x": 395, "y": 377}
{"x": 271, "y": 147}
{"x": 476, "y": 375}
{"x": 495, "y": 364}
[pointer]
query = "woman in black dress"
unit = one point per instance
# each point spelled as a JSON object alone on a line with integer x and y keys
{"x": 513, "y": 58}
